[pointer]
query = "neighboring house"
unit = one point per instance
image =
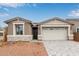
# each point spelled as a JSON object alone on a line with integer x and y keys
{"x": 1, "y": 34}
{"x": 75, "y": 28}
{"x": 19, "y": 29}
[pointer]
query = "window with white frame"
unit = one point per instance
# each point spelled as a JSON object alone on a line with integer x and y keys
{"x": 19, "y": 29}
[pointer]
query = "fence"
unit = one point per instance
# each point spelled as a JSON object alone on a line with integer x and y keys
{"x": 76, "y": 36}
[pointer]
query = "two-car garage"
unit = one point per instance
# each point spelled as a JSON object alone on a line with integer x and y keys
{"x": 55, "y": 33}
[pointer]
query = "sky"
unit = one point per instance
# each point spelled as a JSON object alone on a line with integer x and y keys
{"x": 37, "y": 12}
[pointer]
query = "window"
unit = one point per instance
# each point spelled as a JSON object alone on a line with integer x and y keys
{"x": 77, "y": 29}
{"x": 19, "y": 29}
{"x": 1, "y": 34}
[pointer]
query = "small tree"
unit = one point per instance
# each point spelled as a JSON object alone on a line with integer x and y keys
{"x": 5, "y": 34}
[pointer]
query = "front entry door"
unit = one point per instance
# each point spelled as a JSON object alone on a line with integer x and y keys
{"x": 35, "y": 33}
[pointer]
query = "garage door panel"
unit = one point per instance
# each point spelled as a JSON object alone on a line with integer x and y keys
{"x": 54, "y": 33}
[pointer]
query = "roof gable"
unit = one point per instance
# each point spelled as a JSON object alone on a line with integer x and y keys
{"x": 54, "y": 19}
{"x": 17, "y": 18}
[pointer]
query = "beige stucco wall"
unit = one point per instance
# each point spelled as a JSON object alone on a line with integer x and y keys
{"x": 27, "y": 27}
{"x": 10, "y": 29}
{"x": 39, "y": 30}
{"x": 55, "y": 22}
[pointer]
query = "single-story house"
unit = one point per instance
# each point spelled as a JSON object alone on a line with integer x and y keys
{"x": 20, "y": 29}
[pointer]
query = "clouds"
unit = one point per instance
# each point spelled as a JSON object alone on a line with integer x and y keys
{"x": 13, "y": 5}
{"x": 4, "y": 14}
{"x": 5, "y": 7}
{"x": 35, "y": 5}
{"x": 31, "y": 5}
{"x": 74, "y": 13}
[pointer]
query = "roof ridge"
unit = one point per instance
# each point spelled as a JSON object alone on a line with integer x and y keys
{"x": 20, "y": 18}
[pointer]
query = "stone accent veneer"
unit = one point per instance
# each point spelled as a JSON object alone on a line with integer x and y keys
{"x": 19, "y": 38}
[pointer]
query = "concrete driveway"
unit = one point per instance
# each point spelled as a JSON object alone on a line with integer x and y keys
{"x": 62, "y": 48}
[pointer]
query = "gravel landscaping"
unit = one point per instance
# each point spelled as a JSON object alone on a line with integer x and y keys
{"x": 62, "y": 48}
{"x": 22, "y": 49}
